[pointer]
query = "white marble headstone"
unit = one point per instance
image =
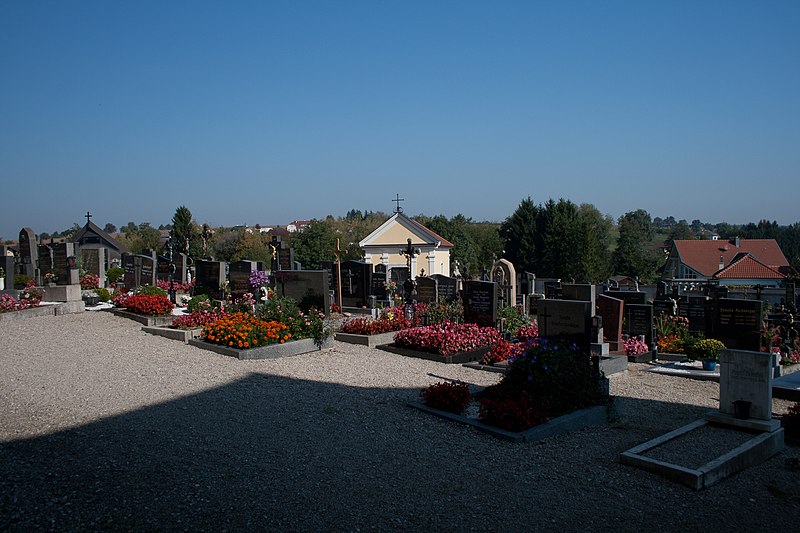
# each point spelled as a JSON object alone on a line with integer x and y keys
{"x": 746, "y": 376}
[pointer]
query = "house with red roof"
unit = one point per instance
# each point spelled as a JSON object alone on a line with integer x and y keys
{"x": 737, "y": 262}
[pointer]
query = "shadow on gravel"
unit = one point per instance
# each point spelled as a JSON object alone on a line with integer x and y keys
{"x": 274, "y": 453}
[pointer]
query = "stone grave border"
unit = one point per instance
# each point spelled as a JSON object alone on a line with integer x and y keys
{"x": 183, "y": 335}
{"x": 371, "y": 341}
{"x": 271, "y": 351}
{"x": 754, "y": 451}
{"x": 454, "y": 358}
{"x": 145, "y": 319}
{"x": 609, "y": 365}
{"x": 46, "y": 309}
{"x": 580, "y": 419}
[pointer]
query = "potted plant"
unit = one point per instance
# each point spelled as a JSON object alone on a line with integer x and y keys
{"x": 707, "y": 350}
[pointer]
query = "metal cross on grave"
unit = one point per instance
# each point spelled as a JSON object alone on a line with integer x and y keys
{"x": 409, "y": 285}
{"x": 338, "y": 253}
{"x": 397, "y": 199}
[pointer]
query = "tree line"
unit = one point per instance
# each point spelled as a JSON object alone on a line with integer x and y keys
{"x": 554, "y": 239}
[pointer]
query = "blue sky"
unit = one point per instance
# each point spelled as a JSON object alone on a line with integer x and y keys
{"x": 266, "y": 112}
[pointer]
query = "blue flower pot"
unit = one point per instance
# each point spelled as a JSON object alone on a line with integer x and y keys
{"x": 710, "y": 365}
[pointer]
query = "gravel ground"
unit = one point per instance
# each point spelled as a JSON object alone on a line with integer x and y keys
{"x": 103, "y": 427}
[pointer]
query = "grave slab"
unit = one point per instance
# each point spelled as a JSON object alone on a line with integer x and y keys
{"x": 591, "y": 416}
{"x": 184, "y": 335}
{"x": 787, "y": 387}
{"x": 370, "y": 341}
{"x": 460, "y": 357}
{"x": 145, "y": 320}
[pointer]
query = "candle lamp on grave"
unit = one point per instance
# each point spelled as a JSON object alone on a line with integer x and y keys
{"x": 409, "y": 285}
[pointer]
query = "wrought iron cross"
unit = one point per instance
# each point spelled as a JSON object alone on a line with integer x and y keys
{"x": 397, "y": 199}
{"x": 88, "y": 216}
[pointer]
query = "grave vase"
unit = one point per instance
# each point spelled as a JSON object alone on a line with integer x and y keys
{"x": 709, "y": 364}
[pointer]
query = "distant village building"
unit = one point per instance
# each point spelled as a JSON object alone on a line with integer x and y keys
{"x": 382, "y": 247}
{"x": 738, "y": 262}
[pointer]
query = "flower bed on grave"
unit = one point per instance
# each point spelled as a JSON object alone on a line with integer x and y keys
{"x": 29, "y": 298}
{"x": 548, "y": 382}
{"x": 277, "y": 329}
{"x": 372, "y": 332}
{"x": 148, "y": 305}
{"x": 446, "y": 342}
{"x": 524, "y": 337}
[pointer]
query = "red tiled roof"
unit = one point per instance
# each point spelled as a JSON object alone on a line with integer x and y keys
{"x": 704, "y": 256}
{"x": 748, "y": 267}
{"x": 445, "y": 242}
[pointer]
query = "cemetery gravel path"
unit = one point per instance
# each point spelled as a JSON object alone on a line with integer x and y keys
{"x": 104, "y": 427}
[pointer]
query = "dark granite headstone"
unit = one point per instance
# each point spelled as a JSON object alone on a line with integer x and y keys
{"x": 696, "y": 313}
{"x": 8, "y": 263}
{"x": 446, "y": 287}
{"x": 356, "y": 283}
{"x": 578, "y": 291}
{"x": 480, "y": 302}
{"x": 426, "y": 290}
{"x": 737, "y": 323}
{"x": 629, "y": 297}
{"x": 611, "y": 310}
{"x": 639, "y": 321}
{"x": 566, "y": 321}
{"x": 148, "y": 273}
{"x": 378, "y": 285}
{"x": 209, "y": 276}
{"x": 308, "y": 287}
{"x": 27, "y": 251}
{"x": 46, "y": 261}
{"x": 94, "y": 261}
{"x": 666, "y": 306}
{"x": 239, "y": 277}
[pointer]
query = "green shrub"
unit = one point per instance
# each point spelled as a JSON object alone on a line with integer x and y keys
{"x": 21, "y": 280}
{"x": 514, "y": 318}
{"x": 104, "y": 295}
{"x": 114, "y": 274}
{"x": 151, "y": 290}
{"x": 201, "y": 302}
